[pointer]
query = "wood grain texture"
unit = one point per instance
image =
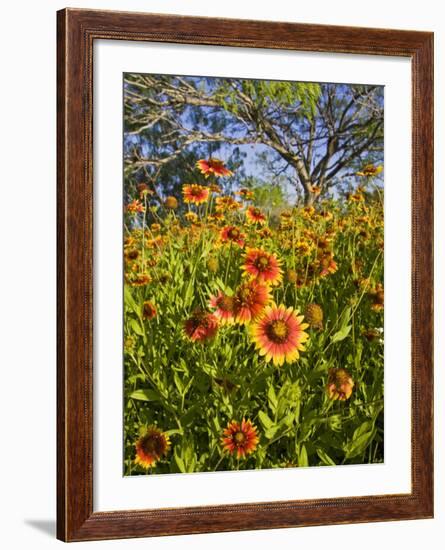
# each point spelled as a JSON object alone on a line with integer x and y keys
{"x": 76, "y": 31}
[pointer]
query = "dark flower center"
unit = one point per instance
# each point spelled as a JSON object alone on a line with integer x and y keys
{"x": 262, "y": 263}
{"x": 239, "y": 438}
{"x": 233, "y": 233}
{"x": 153, "y": 444}
{"x": 245, "y": 294}
{"x": 277, "y": 331}
{"x": 225, "y": 303}
{"x": 379, "y": 297}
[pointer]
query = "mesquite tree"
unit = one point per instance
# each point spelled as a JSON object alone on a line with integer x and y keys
{"x": 310, "y": 134}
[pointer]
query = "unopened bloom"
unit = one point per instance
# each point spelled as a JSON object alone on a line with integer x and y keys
{"x": 314, "y": 316}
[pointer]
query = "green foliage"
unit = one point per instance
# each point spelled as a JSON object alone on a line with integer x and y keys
{"x": 191, "y": 390}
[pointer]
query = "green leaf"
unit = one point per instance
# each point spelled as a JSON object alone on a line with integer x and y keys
{"x": 174, "y": 432}
{"x": 136, "y": 327}
{"x": 265, "y": 420}
{"x": 270, "y": 433}
{"x": 129, "y": 300}
{"x": 180, "y": 463}
{"x": 145, "y": 395}
{"x": 272, "y": 397}
{"x": 341, "y": 334}
{"x": 361, "y": 439}
{"x": 325, "y": 458}
{"x": 178, "y": 383}
{"x": 303, "y": 460}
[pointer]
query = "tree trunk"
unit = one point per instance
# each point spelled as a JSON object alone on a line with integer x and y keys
{"x": 309, "y": 197}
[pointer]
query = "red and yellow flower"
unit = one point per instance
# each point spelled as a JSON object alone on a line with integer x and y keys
{"x": 249, "y": 301}
{"x": 378, "y": 298}
{"x": 255, "y": 215}
{"x": 358, "y": 196}
{"x": 265, "y": 232}
{"x": 223, "y": 306}
{"x": 226, "y": 203}
{"x": 195, "y": 194}
{"x": 191, "y": 217}
{"x": 240, "y": 439}
{"x": 369, "y": 170}
{"x": 340, "y": 384}
{"x": 148, "y": 310}
{"x": 263, "y": 266}
{"x": 279, "y": 334}
{"x": 151, "y": 447}
{"x": 201, "y": 326}
{"x": 231, "y": 234}
{"x": 135, "y": 207}
{"x": 143, "y": 190}
{"x": 245, "y": 193}
{"x": 327, "y": 265}
{"x": 213, "y": 166}
{"x": 138, "y": 279}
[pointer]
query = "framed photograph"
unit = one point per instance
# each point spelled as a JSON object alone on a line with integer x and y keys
{"x": 245, "y": 252}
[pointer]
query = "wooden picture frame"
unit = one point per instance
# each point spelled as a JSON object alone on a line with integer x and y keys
{"x": 77, "y": 31}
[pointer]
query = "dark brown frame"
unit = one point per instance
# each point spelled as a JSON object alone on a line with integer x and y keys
{"x": 77, "y": 30}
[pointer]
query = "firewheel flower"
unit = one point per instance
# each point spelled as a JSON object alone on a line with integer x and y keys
{"x": 148, "y": 311}
{"x": 151, "y": 447}
{"x": 231, "y": 234}
{"x": 201, "y": 326}
{"x": 250, "y": 300}
{"x": 279, "y": 334}
{"x": 135, "y": 207}
{"x": 240, "y": 439}
{"x": 262, "y": 266}
{"x": 246, "y": 194}
{"x": 370, "y": 170}
{"x": 191, "y": 217}
{"x": 378, "y": 298}
{"x": 254, "y": 215}
{"x": 213, "y": 166}
{"x": 227, "y": 204}
{"x": 327, "y": 265}
{"x": 195, "y": 194}
{"x": 223, "y": 306}
{"x": 340, "y": 384}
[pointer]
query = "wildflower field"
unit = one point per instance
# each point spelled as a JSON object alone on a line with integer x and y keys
{"x": 253, "y": 328}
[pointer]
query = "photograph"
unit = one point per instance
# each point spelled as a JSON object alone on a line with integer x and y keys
{"x": 253, "y": 252}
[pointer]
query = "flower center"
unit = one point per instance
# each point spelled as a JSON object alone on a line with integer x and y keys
{"x": 262, "y": 263}
{"x": 245, "y": 294}
{"x": 239, "y": 438}
{"x": 233, "y": 233}
{"x": 153, "y": 444}
{"x": 278, "y": 331}
{"x": 226, "y": 303}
